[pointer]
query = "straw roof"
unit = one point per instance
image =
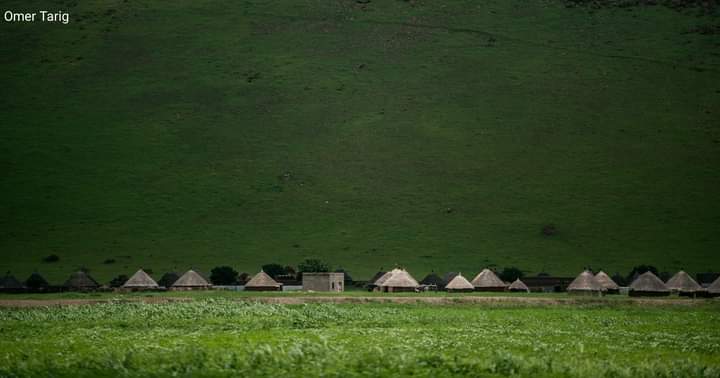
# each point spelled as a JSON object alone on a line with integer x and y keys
{"x": 682, "y": 281}
{"x": 10, "y": 282}
{"x": 432, "y": 279}
{"x": 459, "y": 283}
{"x": 81, "y": 280}
{"x": 605, "y": 281}
{"x": 191, "y": 279}
{"x": 449, "y": 277}
{"x": 141, "y": 280}
{"x": 383, "y": 278}
{"x": 518, "y": 286}
{"x": 399, "y": 278}
{"x": 585, "y": 281}
{"x": 487, "y": 278}
{"x": 376, "y": 277}
{"x": 714, "y": 287}
{"x": 262, "y": 279}
{"x": 650, "y": 283}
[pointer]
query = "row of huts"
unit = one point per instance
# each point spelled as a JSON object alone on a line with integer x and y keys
{"x": 82, "y": 281}
{"x": 396, "y": 280}
{"x": 586, "y": 283}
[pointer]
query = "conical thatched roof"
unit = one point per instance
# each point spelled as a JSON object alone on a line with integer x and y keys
{"x": 650, "y": 283}
{"x": 682, "y": 281}
{"x": 518, "y": 286}
{"x": 459, "y": 283}
{"x": 191, "y": 278}
{"x": 605, "y": 281}
{"x": 487, "y": 278}
{"x": 714, "y": 287}
{"x": 449, "y": 277}
{"x": 168, "y": 279}
{"x": 141, "y": 280}
{"x": 585, "y": 281}
{"x": 376, "y": 277}
{"x": 399, "y": 278}
{"x": 262, "y": 279}
{"x": 81, "y": 280}
{"x": 383, "y": 278}
{"x": 432, "y": 279}
{"x": 10, "y": 282}
{"x": 36, "y": 281}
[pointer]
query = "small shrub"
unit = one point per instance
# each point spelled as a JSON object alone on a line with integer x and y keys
{"x": 109, "y": 261}
{"x": 51, "y": 258}
{"x": 549, "y": 230}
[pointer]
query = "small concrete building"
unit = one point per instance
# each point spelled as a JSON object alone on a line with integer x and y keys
{"x": 323, "y": 281}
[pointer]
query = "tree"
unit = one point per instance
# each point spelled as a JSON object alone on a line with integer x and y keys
{"x": 510, "y": 274}
{"x": 619, "y": 279}
{"x": 224, "y": 275}
{"x": 313, "y": 265}
{"x": 273, "y": 270}
{"x": 119, "y": 280}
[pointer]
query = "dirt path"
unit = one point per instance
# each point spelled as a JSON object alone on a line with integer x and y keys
{"x": 509, "y": 301}
{"x": 520, "y": 301}
{"x": 21, "y": 303}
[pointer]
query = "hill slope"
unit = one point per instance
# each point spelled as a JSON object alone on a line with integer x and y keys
{"x": 435, "y": 135}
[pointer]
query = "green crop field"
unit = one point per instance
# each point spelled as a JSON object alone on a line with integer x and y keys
{"x": 217, "y": 337}
{"x": 431, "y": 134}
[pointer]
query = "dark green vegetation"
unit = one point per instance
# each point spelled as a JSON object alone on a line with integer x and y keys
{"x": 440, "y": 135}
{"x": 223, "y": 338}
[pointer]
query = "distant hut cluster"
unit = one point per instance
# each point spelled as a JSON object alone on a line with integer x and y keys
{"x": 397, "y": 280}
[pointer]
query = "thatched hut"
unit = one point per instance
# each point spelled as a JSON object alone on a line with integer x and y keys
{"x": 518, "y": 286}
{"x": 683, "y": 284}
{"x": 37, "y": 282}
{"x": 262, "y": 282}
{"x": 10, "y": 284}
{"x": 372, "y": 283}
{"x": 432, "y": 280}
{"x": 585, "y": 284}
{"x": 459, "y": 284}
{"x": 648, "y": 285}
{"x": 81, "y": 281}
{"x": 168, "y": 279}
{"x": 487, "y": 280}
{"x": 447, "y": 277}
{"x": 397, "y": 280}
{"x": 714, "y": 289}
{"x": 607, "y": 283}
{"x": 140, "y": 281}
{"x": 191, "y": 280}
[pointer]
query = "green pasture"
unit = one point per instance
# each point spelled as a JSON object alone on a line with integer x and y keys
{"x": 437, "y": 135}
{"x": 216, "y": 337}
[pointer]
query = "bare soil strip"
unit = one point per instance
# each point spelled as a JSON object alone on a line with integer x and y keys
{"x": 519, "y": 301}
{"x": 22, "y": 303}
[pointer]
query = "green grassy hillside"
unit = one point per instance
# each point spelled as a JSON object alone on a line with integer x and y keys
{"x": 435, "y": 135}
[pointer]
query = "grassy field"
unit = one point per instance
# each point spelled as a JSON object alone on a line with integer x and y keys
{"x": 216, "y": 337}
{"x": 436, "y": 135}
